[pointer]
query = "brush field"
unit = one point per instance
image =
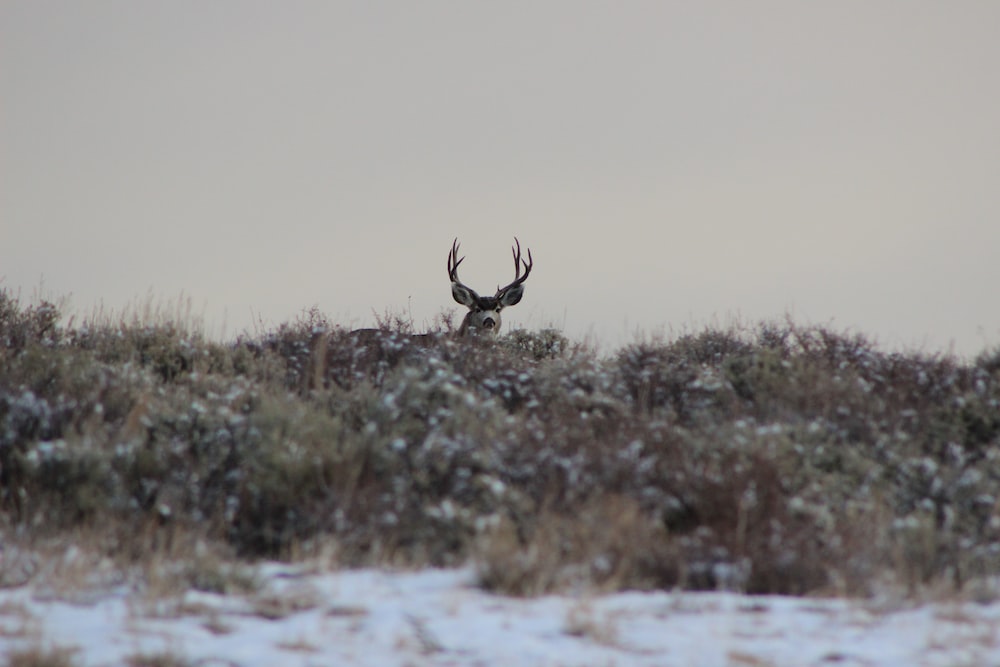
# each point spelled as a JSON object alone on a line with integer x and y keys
{"x": 768, "y": 458}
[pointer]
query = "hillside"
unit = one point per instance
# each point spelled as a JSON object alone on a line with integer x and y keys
{"x": 770, "y": 458}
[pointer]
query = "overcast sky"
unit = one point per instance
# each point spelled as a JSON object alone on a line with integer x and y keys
{"x": 669, "y": 164}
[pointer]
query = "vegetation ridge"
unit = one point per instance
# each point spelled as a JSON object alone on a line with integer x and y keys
{"x": 766, "y": 458}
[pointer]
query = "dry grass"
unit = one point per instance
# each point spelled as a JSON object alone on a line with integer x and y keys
{"x": 767, "y": 458}
{"x": 41, "y": 657}
{"x": 274, "y": 606}
{"x": 583, "y": 621}
{"x": 162, "y": 659}
{"x": 609, "y": 545}
{"x": 17, "y": 621}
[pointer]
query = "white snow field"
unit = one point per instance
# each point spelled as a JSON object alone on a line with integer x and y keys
{"x": 438, "y": 617}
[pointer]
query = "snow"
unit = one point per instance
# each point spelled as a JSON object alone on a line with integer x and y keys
{"x": 439, "y": 617}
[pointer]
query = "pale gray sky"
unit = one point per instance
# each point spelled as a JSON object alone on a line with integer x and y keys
{"x": 668, "y": 163}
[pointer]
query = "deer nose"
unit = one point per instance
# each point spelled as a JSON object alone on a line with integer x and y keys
{"x": 489, "y": 323}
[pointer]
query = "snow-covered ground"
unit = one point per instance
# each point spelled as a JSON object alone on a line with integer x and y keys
{"x": 437, "y": 617}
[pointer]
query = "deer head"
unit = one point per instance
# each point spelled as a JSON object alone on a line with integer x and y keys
{"x": 484, "y": 311}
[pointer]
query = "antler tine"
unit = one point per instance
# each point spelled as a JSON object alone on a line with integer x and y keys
{"x": 518, "y": 278}
{"x": 453, "y": 261}
{"x": 518, "y": 261}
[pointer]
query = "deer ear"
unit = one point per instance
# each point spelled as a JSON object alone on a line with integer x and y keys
{"x": 464, "y": 295}
{"x": 512, "y": 296}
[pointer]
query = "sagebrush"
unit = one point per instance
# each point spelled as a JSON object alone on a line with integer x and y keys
{"x": 764, "y": 458}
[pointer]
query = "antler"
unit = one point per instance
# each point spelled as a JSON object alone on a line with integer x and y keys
{"x": 518, "y": 278}
{"x": 462, "y": 293}
{"x": 452, "y": 264}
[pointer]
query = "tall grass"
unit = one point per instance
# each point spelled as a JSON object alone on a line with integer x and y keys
{"x": 766, "y": 458}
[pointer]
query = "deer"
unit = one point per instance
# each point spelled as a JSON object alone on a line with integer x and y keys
{"x": 346, "y": 357}
{"x": 484, "y": 311}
